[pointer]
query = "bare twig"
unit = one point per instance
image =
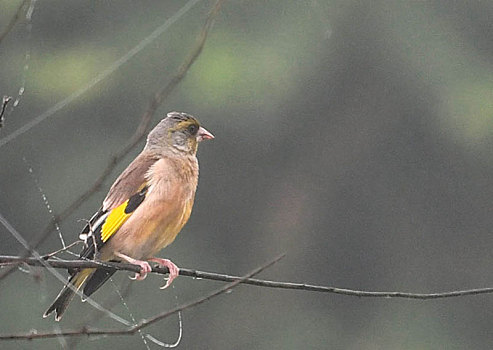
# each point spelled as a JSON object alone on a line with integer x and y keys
{"x": 58, "y": 251}
{"x": 70, "y": 264}
{"x": 252, "y": 281}
{"x": 93, "y": 315}
{"x": 5, "y": 102}
{"x": 18, "y": 237}
{"x": 13, "y": 20}
{"x": 144, "y": 322}
{"x": 142, "y": 129}
{"x": 99, "y": 77}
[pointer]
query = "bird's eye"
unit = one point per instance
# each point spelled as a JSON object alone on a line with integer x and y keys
{"x": 192, "y": 129}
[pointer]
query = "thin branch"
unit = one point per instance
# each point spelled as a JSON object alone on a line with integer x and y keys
{"x": 94, "y": 315}
{"x": 144, "y": 322}
{"x": 142, "y": 129}
{"x": 99, "y": 77}
{"x": 56, "y": 274}
{"x": 252, "y": 281}
{"x": 6, "y": 260}
{"x": 58, "y": 251}
{"x": 5, "y": 102}
{"x": 13, "y": 20}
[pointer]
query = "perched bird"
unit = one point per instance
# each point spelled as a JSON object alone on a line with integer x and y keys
{"x": 145, "y": 208}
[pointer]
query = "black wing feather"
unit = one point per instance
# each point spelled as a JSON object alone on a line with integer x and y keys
{"x": 94, "y": 242}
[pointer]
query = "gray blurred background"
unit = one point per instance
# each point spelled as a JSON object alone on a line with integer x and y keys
{"x": 356, "y": 136}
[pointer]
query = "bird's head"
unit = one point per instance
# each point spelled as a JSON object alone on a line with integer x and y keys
{"x": 178, "y": 133}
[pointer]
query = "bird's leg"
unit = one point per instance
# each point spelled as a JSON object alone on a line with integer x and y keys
{"x": 174, "y": 271}
{"x": 145, "y": 268}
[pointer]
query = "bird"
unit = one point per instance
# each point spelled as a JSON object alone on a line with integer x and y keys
{"x": 144, "y": 210}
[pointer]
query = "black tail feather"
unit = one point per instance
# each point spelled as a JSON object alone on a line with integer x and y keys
{"x": 96, "y": 280}
{"x": 67, "y": 294}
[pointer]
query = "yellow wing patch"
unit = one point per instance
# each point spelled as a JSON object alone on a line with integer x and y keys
{"x": 114, "y": 221}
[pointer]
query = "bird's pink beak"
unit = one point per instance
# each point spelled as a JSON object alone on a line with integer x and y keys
{"x": 204, "y": 135}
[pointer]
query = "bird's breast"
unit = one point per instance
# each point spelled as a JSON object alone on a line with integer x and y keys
{"x": 167, "y": 230}
{"x": 158, "y": 220}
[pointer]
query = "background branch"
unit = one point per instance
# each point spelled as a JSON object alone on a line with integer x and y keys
{"x": 13, "y": 20}
{"x": 144, "y": 322}
{"x": 252, "y": 281}
{"x": 5, "y": 101}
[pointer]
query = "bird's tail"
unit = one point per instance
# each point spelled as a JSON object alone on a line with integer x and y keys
{"x": 67, "y": 294}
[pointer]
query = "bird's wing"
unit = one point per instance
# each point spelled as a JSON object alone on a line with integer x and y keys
{"x": 102, "y": 226}
{"x": 105, "y": 223}
{"x": 129, "y": 182}
{"x": 125, "y": 195}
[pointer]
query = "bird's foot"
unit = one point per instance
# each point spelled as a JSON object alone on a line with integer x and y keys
{"x": 174, "y": 271}
{"x": 145, "y": 268}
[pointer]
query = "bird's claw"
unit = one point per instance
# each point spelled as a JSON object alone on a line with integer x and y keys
{"x": 145, "y": 268}
{"x": 174, "y": 271}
